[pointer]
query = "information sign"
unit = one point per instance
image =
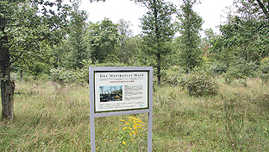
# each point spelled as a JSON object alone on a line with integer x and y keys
{"x": 119, "y": 91}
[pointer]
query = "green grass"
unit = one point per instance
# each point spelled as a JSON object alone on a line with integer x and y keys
{"x": 48, "y": 118}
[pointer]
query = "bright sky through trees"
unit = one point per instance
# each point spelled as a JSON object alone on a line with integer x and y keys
{"x": 213, "y": 12}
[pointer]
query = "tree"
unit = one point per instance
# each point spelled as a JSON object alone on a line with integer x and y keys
{"x": 207, "y": 40}
{"x": 189, "y": 27}
{"x": 58, "y": 54}
{"x": 245, "y": 35}
{"x": 124, "y": 30}
{"x": 103, "y": 38}
{"x": 252, "y": 26}
{"x": 243, "y": 42}
{"x": 24, "y": 25}
{"x": 127, "y": 48}
{"x": 158, "y": 29}
{"x": 78, "y": 48}
{"x": 253, "y": 9}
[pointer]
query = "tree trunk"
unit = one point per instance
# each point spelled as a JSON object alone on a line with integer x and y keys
{"x": 7, "y": 93}
{"x": 159, "y": 68}
{"x": 7, "y": 86}
{"x": 157, "y": 33}
{"x": 264, "y": 9}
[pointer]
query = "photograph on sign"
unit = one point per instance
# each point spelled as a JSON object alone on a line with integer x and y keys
{"x": 120, "y": 90}
{"x": 110, "y": 93}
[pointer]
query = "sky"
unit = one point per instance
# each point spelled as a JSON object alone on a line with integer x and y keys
{"x": 213, "y": 12}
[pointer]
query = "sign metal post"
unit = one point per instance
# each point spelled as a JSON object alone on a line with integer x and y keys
{"x": 124, "y": 79}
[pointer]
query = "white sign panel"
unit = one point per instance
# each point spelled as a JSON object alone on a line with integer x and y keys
{"x": 121, "y": 90}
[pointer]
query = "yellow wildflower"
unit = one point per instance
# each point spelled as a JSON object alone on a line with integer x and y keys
{"x": 134, "y": 133}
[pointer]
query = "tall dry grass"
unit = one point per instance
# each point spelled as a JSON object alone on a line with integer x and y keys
{"x": 49, "y": 118}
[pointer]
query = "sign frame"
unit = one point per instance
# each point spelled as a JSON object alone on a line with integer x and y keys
{"x": 94, "y": 113}
{"x": 121, "y": 72}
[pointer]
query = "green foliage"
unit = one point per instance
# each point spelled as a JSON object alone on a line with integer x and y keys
{"x": 38, "y": 69}
{"x": 246, "y": 40}
{"x": 264, "y": 65}
{"x": 27, "y": 29}
{"x": 127, "y": 50}
{"x": 199, "y": 83}
{"x": 253, "y": 9}
{"x": 77, "y": 50}
{"x": 130, "y": 131}
{"x": 172, "y": 75}
{"x": 103, "y": 37}
{"x": 189, "y": 27}
{"x": 264, "y": 68}
{"x": 218, "y": 68}
{"x": 58, "y": 55}
{"x": 157, "y": 26}
{"x": 157, "y": 31}
{"x": 243, "y": 40}
{"x": 81, "y": 76}
{"x": 64, "y": 76}
{"x": 73, "y": 47}
{"x": 241, "y": 70}
{"x": 128, "y": 53}
{"x": 25, "y": 25}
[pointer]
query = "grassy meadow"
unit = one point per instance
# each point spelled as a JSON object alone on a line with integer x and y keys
{"x": 51, "y": 118}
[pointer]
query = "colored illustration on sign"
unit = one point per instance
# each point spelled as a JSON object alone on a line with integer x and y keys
{"x": 110, "y": 93}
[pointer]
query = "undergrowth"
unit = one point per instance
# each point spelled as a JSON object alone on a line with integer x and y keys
{"x": 50, "y": 118}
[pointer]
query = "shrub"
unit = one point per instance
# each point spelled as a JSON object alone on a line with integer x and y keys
{"x": 199, "y": 83}
{"x": 171, "y": 76}
{"x": 218, "y": 68}
{"x": 264, "y": 68}
{"x": 84, "y": 71}
{"x": 240, "y": 70}
{"x": 63, "y": 75}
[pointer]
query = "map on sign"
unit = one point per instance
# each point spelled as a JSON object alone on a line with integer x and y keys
{"x": 121, "y": 90}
